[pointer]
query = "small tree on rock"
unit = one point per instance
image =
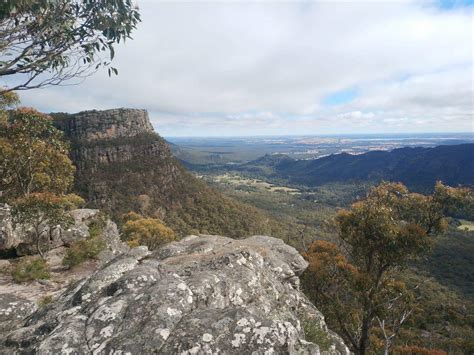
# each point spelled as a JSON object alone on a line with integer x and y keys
{"x": 43, "y": 212}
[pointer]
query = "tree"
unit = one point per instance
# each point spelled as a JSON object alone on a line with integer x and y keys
{"x": 43, "y": 212}
{"x": 47, "y": 42}
{"x": 358, "y": 284}
{"x": 151, "y": 232}
{"x": 33, "y": 155}
{"x": 7, "y": 100}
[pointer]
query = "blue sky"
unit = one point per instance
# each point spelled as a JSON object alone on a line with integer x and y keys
{"x": 453, "y": 4}
{"x": 297, "y": 67}
{"x": 340, "y": 97}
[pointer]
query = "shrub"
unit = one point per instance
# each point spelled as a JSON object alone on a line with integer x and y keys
{"x": 83, "y": 250}
{"x": 146, "y": 231}
{"x": 96, "y": 227}
{"x": 29, "y": 269}
{"x": 315, "y": 334}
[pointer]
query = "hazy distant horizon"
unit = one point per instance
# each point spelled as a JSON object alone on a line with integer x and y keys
{"x": 336, "y": 135}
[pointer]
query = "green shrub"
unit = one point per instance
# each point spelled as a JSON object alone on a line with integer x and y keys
{"x": 83, "y": 250}
{"x": 315, "y": 334}
{"x": 96, "y": 227}
{"x": 32, "y": 268}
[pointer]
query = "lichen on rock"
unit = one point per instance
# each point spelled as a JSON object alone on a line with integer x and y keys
{"x": 203, "y": 294}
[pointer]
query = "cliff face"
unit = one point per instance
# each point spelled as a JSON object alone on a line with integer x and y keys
{"x": 123, "y": 165}
{"x": 108, "y": 124}
{"x": 201, "y": 295}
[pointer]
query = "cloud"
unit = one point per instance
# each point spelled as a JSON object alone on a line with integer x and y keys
{"x": 270, "y": 67}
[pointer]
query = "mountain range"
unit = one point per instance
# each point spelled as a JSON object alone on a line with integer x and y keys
{"x": 418, "y": 168}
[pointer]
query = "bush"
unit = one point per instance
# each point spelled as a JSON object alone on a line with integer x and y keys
{"x": 146, "y": 231}
{"x": 315, "y": 334}
{"x": 83, "y": 250}
{"x": 29, "y": 269}
{"x": 96, "y": 227}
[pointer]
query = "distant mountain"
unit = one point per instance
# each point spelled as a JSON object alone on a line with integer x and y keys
{"x": 418, "y": 168}
{"x": 123, "y": 165}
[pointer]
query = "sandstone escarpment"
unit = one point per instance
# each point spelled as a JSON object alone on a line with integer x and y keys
{"x": 108, "y": 124}
{"x": 206, "y": 294}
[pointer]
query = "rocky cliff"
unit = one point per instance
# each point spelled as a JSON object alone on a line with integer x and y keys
{"x": 123, "y": 165}
{"x": 201, "y": 295}
{"x": 108, "y": 124}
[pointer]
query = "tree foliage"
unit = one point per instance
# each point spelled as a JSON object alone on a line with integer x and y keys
{"x": 47, "y": 42}
{"x": 358, "y": 284}
{"x": 33, "y": 155}
{"x": 151, "y": 232}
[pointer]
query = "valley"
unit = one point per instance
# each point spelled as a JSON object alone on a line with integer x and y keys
{"x": 445, "y": 276}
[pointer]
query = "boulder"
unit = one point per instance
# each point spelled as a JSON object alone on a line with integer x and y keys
{"x": 203, "y": 294}
{"x": 8, "y": 238}
{"x": 21, "y": 238}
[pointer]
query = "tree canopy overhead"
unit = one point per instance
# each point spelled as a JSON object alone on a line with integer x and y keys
{"x": 47, "y": 42}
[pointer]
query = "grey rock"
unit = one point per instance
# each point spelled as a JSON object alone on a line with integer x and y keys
{"x": 114, "y": 244}
{"x": 8, "y": 237}
{"x": 22, "y": 240}
{"x": 201, "y": 295}
{"x": 108, "y": 124}
{"x": 13, "y": 310}
{"x": 83, "y": 215}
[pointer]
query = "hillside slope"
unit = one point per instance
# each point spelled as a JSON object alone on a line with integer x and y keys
{"x": 123, "y": 165}
{"x": 418, "y": 168}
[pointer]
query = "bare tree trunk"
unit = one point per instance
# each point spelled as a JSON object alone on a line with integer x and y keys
{"x": 302, "y": 235}
{"x": 364, "y": 336}
{"x": 38, "y": 242}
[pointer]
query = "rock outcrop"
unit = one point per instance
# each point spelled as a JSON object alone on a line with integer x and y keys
{"x": 109, "y": 124}
{"x": 203, "y": 294}
{"x": 20, "y": 238}
{"x": 8, "y": 238}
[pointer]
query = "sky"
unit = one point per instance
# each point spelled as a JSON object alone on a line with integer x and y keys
{"x": 226, "y": 68}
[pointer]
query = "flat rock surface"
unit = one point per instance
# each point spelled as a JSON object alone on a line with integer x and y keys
{"x": 203, "y": 294}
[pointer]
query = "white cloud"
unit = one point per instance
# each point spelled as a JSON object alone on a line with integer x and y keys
{"x": 256, "y": 68}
